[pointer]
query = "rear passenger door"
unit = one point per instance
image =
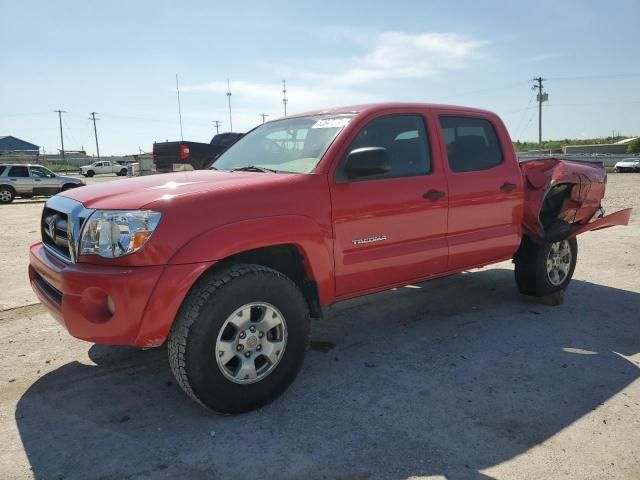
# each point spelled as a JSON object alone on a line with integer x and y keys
{"x": 485, "y": 190}
{"x": 20, "y": 179}
{"x": 390, "y": 228}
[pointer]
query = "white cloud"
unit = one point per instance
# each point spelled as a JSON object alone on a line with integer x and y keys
{"x": 396, "y": 55}
{"x": 344, "y": 80}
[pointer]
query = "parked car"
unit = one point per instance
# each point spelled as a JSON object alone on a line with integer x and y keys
{"x": 168, "y": 156}
{"x": 228, "y": 265}
{"x": 26, "y": 181}
{"x": 103, "y": 167}
{"x": 628, "y": 165}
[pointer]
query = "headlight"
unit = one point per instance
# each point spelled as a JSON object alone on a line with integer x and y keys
{"x": 115, "y": 233}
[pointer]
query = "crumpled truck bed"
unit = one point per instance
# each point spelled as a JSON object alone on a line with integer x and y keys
{"x": 563, "y": 199}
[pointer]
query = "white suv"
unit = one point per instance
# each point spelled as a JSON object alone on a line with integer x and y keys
{"x": 28, "y": 181}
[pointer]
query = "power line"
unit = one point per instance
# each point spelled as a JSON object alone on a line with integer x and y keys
{"x": 60, "y": 112}
{"x": 598, "y": 77}
{"x": 95, "y": 132}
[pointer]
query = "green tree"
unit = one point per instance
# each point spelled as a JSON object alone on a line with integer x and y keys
{"x": 634, "y": 147}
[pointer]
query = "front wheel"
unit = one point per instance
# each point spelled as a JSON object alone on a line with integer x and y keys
{"x": 240, "y": 338}
{"x": 6, "y": 195}
{"x": 90, "y": 173}
{"x": 545, "y": 268}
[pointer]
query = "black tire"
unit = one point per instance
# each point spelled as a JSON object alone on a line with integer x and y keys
{"x": 192, "y": 340}
{"x": 68, "y": 186}
{"x": 90, "y": 173}
{"x": 531, "y": 268}
{"x": 7, "y": 194}
{"x": 123, "y": 172}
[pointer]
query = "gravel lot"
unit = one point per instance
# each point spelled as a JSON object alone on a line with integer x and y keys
{"x": 459, "y": 378}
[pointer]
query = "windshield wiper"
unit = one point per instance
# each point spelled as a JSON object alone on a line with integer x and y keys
{"x": 254, "y": 168}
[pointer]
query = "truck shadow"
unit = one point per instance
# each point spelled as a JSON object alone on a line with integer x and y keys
{"x": 449, "y": 378}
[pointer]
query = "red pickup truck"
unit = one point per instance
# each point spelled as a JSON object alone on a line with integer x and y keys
{"x": 228, "y": 265}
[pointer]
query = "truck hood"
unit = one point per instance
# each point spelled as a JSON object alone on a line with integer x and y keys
{"x": 136, "y": 193}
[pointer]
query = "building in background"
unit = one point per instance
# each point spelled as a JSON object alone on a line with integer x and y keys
{"x": 9, "y": 144}
{"x": 618, "y": 147}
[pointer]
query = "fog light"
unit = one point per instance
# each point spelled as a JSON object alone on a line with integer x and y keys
{"x": 111, "y": 306}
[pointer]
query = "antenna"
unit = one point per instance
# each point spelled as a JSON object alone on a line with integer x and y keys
{"x": 217, "y": 123}
{"x": 179, "y": 107}
{"x": 264, "y": 116}
{"x": 229, "y": 98}
{"x": 284, "y": 96}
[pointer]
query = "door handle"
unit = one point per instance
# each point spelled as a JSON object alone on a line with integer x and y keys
{"x": 433, "y": 195}
{"x": 507, "y": 187}
{"x": 36, "y": 179}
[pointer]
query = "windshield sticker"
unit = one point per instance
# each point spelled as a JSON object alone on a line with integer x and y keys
{"x": 339, "y": 122}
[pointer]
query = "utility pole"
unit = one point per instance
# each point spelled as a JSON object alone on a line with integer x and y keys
{"x": 60, "y": 112}
{"x": 229, "y": 99}
{"x": 264, "y": 116}
{"x": 95, "y": 131}
{"x": 179, "y": 107}
{"x": 542, "y": 97}
{"x": 217, "y": 123}
{"x": 284, "y": 96}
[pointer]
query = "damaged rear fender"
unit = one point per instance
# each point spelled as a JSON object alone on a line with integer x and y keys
{"x": 562, "y": 197}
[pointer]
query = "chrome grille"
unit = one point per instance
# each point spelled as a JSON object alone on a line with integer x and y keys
{"x": 55, "y": 233}
{"x": 61, "y": 226}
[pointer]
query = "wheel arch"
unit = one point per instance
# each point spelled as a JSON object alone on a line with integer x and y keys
{"x": 10, "y": 187}
{"x": 292, "y": 244}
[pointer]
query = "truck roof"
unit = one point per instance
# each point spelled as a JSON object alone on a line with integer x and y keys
{"x": 390, "y": 106}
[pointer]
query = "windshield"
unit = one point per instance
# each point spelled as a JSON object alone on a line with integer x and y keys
{"x": 293, "y": 145}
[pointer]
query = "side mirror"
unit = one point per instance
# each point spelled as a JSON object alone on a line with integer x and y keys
{"x": 367, "y": 161}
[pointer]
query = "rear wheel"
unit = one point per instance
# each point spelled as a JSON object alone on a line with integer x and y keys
{"x": 239, "y": 339}
{"x": 6, "y": 195}
{"x": 545, "y": 268}
{"x": 123, "y": 172}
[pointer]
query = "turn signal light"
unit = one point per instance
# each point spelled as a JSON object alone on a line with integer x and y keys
{"x": 140, "y": 238}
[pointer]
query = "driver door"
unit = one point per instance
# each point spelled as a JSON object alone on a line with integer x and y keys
{"x": 390, "y": 228}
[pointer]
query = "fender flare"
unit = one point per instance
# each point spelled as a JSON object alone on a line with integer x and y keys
{"x": 311, "y": 239}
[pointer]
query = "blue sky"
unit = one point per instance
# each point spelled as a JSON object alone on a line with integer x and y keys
{"x": 119, "y": 58}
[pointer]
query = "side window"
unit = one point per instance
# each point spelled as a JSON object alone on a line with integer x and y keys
{"x": 404, "y": 137}
{"x": 39, "y": 172}
{"x": 18, "y": 172}
{"x": 472, "y": 143}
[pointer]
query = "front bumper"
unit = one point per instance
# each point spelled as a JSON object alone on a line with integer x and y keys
{"x": 112, "y": 305}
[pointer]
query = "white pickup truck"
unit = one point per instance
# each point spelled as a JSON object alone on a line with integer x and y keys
{"x": 103, "y": 166}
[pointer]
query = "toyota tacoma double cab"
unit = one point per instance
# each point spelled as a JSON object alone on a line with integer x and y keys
{"x": 228, "y": 265}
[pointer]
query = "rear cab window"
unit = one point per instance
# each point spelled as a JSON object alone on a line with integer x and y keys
{"x": 472, "y": 143}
